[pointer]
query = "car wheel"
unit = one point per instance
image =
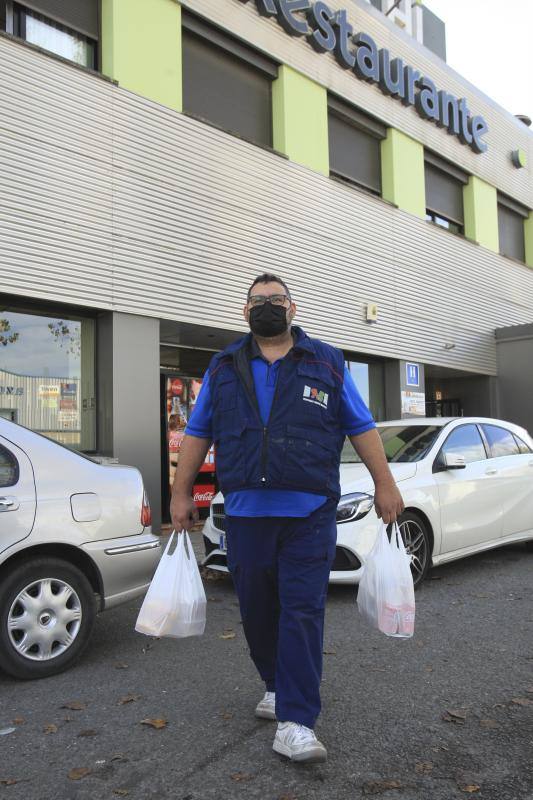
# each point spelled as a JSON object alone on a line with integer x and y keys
{"x": 47, "y": 613}
{"x": 417, "y": 543}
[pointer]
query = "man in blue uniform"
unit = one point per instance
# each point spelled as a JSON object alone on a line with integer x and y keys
{"x": 278, "y": 406}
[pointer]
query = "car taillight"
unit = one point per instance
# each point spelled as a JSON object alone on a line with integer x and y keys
{"x": 146, "y": 511}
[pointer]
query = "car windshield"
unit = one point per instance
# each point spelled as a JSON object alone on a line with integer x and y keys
{"x": 400, "y": 442}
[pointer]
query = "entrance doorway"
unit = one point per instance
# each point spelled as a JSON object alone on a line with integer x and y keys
{"x": 444, "y": 408}
{"x": 185, "y": 353}
{"x": 456, "y": 393}
{"x": 9, "y": 413}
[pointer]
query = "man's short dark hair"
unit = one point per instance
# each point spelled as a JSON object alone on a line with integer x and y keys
{"x": 268, "y": 277}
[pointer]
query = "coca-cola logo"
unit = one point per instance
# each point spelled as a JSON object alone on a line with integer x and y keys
{"x": 202, "y": 497}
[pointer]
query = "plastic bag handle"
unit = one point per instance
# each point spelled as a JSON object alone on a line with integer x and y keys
{"x": 399, "y": 541}
{"x": 182, "y": 533}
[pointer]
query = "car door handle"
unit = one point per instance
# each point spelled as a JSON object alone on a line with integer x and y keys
{"x": 491, "y": 472}
{"x": 8, "y": 504}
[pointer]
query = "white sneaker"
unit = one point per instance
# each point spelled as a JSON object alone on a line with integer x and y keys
{"x": 298, "y": 743}
{"x": 266, "y": 708}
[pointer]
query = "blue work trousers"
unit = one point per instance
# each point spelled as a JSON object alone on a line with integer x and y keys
{"x": 280, "y": 568}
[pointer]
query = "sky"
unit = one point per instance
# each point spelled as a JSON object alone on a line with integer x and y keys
{"x": 36, "y": 352}
{"x": 489, "y": 43}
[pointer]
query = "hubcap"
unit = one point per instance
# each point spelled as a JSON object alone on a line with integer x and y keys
{"x": 44, "y": 619}
{"x": 416, "y": 547}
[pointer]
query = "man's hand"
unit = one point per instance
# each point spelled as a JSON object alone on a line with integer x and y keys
{"x": 388, "y": 501}
{"x": 183, "y": 512}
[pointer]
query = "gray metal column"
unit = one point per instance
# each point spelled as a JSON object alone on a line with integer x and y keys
{"x": 514, "y": 349}
{"x": 128, "y": 397}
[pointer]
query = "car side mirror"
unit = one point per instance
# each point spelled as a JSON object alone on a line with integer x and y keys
{"x": 454, "y": 461}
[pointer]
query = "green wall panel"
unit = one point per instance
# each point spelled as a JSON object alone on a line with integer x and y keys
{"x": 528, "y": 236}
{"x": 141, "y": 48}
{"x": 481, "y": 213}
{"x": 402, "y": 172}
{"x": 300, "y": 120}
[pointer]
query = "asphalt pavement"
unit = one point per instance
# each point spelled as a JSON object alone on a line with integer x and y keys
{"x": 448, "y": 714}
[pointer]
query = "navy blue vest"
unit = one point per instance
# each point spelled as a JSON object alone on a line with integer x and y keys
{"x": 300, "y": 447}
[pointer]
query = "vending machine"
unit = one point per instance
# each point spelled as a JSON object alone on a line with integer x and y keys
{"x": 179, "y": 395}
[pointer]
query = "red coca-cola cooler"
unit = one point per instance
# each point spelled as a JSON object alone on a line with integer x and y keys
{"x": 179, "y": 395}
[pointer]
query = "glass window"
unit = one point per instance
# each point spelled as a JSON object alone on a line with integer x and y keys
{"x": 522, "y": 446}
{"x": 501, "y": 441}
{"x": 52, "y": 36}
{"x": 360, "y": 374}
{"x": 453, "y": 227}
{"x": 465, "y": 441}
{"x": 9, "y": 468}
{"x": 229, "y": 91}
{"x": 444, "y": 198}
{"x": 47, "y": 368}
{"x": 511, "y": 233}
{"x": 354, "y": 145}
{"x": 401, "y": 443}
{"x": 354, "y": 154}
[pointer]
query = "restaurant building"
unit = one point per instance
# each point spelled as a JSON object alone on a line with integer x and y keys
{"x": 156, "y": 156}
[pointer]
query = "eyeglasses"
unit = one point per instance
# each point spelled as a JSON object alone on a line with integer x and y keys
{"x": 261, "y": 299}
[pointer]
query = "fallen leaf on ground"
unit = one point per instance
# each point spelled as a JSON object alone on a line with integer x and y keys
{"x": 241, "y": 776}
{"x": 50, "y": 728}
{"x": 458, "y": 717}
{"x": 8, "y": 781}
{"x": 18, "y": 721}
{"x": 121, "y": 666}
{"x": 155, "y": 723}
{"x": 470, "y": 788}
{"x": 378, "y": 787}
{"x": 330, "y": 652}
{"x": 129, "y": 698}
{"x": 226, "y": 715}
{"x": 488, "y": 723}
{"x": 78, "y": 773}
{"x": 119, "y": 757}
{"x": 75, "y": 705}
{"x": 522, "y": 701}
{"x": 423, "y": 767}
{"x": 121, "y": 792}
{"x": 228, "y": 635}
{"x": 289, "y": 796}
{"x": 89, "y": 732}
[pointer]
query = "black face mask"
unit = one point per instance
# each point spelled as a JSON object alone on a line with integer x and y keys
{"x": 268, "y": 320}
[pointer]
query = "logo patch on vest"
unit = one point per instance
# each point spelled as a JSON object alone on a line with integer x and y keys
{"x": 315, "y": 396}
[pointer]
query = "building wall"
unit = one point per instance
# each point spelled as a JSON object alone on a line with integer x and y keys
{"x": 515, "y": 368}
{"x": 129, "y": 421}
{"x": 506, "y": 133}
{"x": 112, "y": 201}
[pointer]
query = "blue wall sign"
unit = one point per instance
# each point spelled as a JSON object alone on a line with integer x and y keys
{"x": 413, "y": 374}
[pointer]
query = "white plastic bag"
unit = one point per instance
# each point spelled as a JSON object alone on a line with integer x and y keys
{"x": 386, "y": 597}
{"x": 175, "y": 604}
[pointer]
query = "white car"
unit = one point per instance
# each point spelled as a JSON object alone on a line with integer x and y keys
{"x": 75, "y": 539}
{"x": 467, "y": 485}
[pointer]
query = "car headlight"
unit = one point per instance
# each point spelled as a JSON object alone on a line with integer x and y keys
{"x": 354, "y": 506}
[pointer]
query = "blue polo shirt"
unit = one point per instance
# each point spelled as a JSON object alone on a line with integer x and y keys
{"x": 355, "y": 419}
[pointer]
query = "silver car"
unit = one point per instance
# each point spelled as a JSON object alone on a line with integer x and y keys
{"x": 75, "y": 539}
